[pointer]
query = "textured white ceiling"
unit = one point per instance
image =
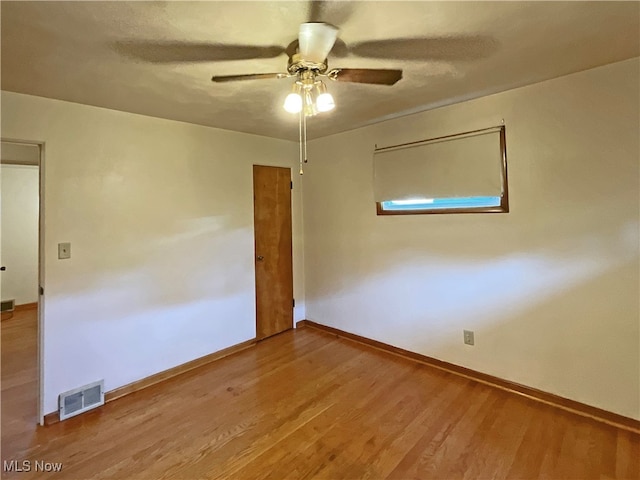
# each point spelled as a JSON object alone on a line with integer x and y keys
{"x": 123, "y": 55}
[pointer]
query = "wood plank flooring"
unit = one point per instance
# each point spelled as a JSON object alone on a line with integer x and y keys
{"x": 305, "y": 404}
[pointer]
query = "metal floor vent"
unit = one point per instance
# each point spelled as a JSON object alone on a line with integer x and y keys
{"x": 7, "y": 305}
{"x": 81, "y": 399}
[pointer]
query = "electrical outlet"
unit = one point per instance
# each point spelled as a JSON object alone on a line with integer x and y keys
{"x": 468, "y": 337}
{"x": 64, "y": 250}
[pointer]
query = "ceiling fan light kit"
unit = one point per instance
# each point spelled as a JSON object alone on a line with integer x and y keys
{"x": 309, "y": 95}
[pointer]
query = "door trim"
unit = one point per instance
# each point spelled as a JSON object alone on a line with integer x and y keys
{"x": 41, "y": 263}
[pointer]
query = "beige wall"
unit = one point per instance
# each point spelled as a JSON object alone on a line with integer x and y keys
{"x": 550, "y": 289}
{"x": 19, "y": 235}
{"x": 160, "y": 219}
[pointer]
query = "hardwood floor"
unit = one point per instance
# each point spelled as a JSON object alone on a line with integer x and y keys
{"x": 305, "y": 404}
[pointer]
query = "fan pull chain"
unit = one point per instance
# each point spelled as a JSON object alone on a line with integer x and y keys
{"x": 304, "y": 131}
{"x": 300, "y": 137}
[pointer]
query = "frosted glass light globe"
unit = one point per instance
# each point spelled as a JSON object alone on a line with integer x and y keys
{"x": 325, "y": 102}
{"x": 293, "y": 103}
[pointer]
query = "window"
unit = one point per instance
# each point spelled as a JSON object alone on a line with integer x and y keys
{"x": 462, "y": 173}
{"x": 440, "y": 203}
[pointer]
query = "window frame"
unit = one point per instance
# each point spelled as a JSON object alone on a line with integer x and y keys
{"x": 504, "y": 198}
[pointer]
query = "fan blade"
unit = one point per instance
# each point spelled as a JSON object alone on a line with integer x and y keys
{"x": 424, "y": 49}
{"x": 171, "y": 52}
{"x": 254, "y": 76}
{"x": 315, "y": 41}
{"x": 365, "y": 75}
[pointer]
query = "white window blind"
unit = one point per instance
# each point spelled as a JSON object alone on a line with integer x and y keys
{"x": 465, "y": 165}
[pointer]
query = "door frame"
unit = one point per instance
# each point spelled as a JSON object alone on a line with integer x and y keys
{"x": 41, "y": 263}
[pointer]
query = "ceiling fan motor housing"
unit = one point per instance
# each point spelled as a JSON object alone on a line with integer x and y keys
{"x": 297, "y": 64}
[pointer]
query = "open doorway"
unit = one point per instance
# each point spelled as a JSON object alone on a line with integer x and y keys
{"x": 20, "y": 282}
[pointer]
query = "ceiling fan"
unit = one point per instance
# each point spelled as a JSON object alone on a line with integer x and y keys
{"x": 308, "y": 64}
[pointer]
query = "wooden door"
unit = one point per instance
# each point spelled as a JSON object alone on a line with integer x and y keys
{"x": 273, "y": 250}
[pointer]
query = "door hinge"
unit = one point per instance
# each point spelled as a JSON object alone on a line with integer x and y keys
{"x": 291, "y": 185}
{"x": 41, "y": 290}
{"x": 294, "y": 303}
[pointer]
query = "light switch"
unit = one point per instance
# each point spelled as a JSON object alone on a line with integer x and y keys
{"x": 64, "y": 250}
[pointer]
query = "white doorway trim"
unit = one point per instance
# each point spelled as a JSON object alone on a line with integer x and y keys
{"x": 41, "y": 263}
